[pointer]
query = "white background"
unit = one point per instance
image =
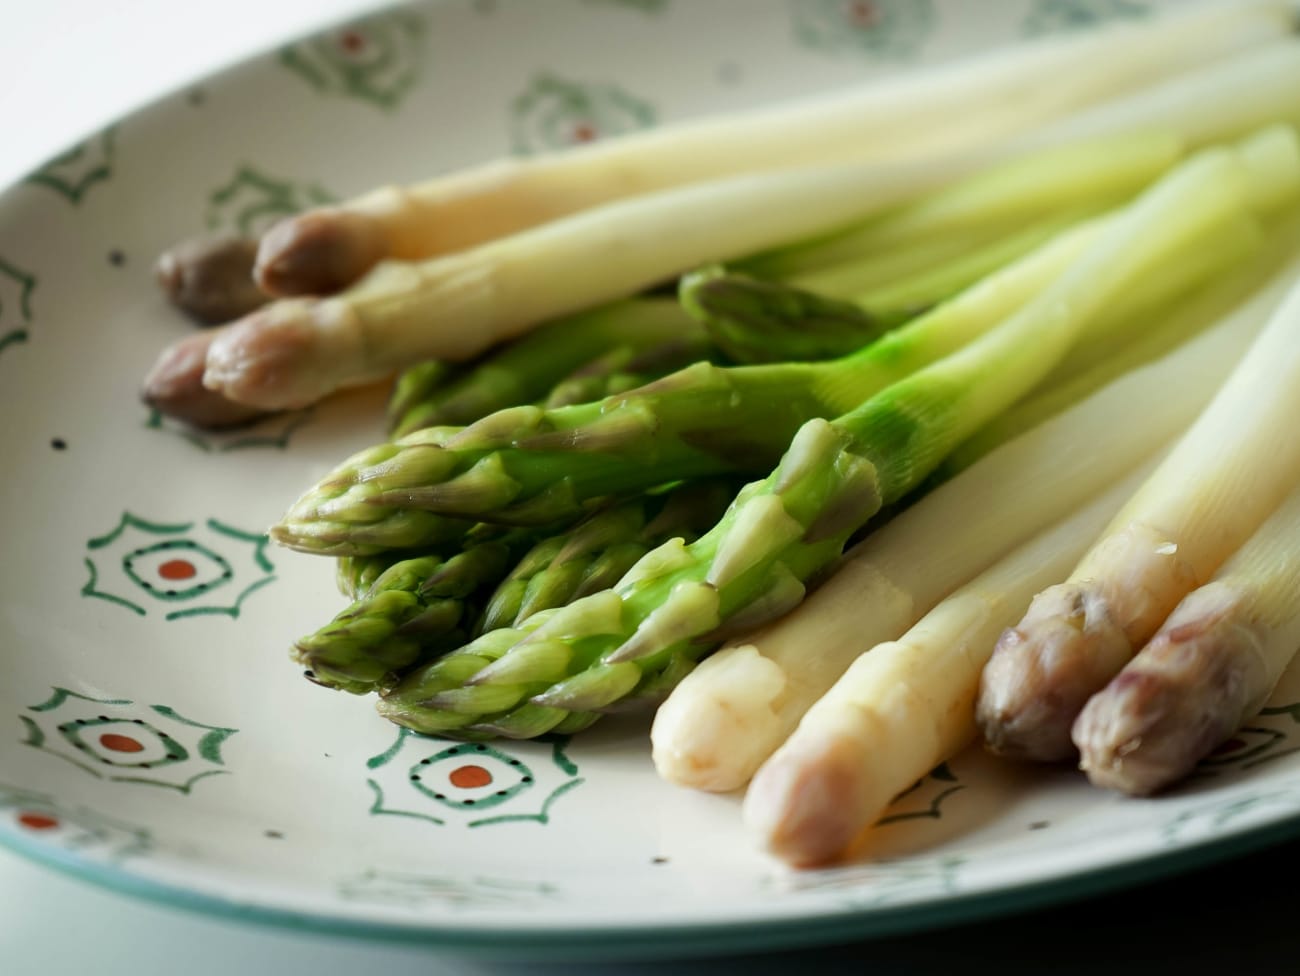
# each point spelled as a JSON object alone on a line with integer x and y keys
{"x": 66, "y": 67}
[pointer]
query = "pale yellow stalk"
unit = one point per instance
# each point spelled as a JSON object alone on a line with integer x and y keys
{"x": 919, "y": 114}
{"x": 1208, "y": 670}
{"x": 1231, "y": 469}
{"x": 904, "y": 706}
{"x": 740, "y": 704}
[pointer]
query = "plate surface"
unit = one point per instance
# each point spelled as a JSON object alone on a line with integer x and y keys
{"x": 154, "y": 736}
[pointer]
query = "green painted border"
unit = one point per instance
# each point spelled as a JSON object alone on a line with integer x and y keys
{"x": 676, "y": 941}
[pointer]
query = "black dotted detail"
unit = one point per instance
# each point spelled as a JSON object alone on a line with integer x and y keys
{"x": 1040, "y": 824}
{"x": 142, "y": 765}
{"x": 467, "y": 803}
{"x": 480, "y": 748}
{"x": 104, "y": 718}
{"x": 659, "y": 860}
{"x": 80, "y": 745}
{"x": 426, "y": 761}
{"x": 439, "y": 796}
{"x": 273, "y": 834}
{"x": 58, "y": 443}
{"x": 501, "y": 792}
{"x": 515, "y": 762}
{"x": 173, "y": 756}
{"x": 197, "y": 97}
{"x": 138, "y": 721}
{"x": 117, "y": 258}
{"x": 415, "y": 777}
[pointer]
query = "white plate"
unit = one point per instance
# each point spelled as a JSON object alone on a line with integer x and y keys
{"x": 160, "y": 741}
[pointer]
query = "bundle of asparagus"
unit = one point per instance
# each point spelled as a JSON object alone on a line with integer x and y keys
{"x": 900, "y": 388}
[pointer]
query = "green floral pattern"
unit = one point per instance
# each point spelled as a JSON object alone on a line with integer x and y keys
{"x": 184, "y": 569}
{"x": 555, "y": 113}
{"x": 376, "y": 61}
{"x": 73, "y": 173}
{"x": 109, "y": 739}
{"x": 892, "y": 30}
{"x": 16, "y": 288}
{"x": 251, "y": 201}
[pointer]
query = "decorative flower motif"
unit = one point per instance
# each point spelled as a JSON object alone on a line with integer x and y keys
{"x": 74, "y": 828}
{"x": 378, "y": 60}
{"x": 1269, "y": 737}
{"x": 275, "y": 431}
{"x": 925, "y": 799}
{"x": 444, "y": 782}
{"x": 107, "y": 738}
{"x": 16, "y": 287}
{"x": 1053, "y": 16}
{"x": 252, "y": 201}
{"x": 197, "y": 568}
{"x": 404, "y": 888}
{"x": 555, "y": 113}
{"x": 892, "y": 29}
{"x": 73, "y": 173}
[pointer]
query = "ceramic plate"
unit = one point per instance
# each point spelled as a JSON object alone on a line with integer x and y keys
{"x": 153, "y": 734}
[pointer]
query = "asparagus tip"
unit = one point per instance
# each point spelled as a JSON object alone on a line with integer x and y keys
{"x": 317, "y": 252}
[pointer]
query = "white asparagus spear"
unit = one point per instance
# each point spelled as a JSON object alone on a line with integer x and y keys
{"x": 918, "y": 114}
{"x": 905, "y": 706}
{"x": 1209, "y": 669}
{"x": 1233, "y": 467}
{"x": 738, "y": 705}
{"x": 297, "y": 350}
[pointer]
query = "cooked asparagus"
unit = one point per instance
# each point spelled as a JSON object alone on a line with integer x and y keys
{"x": 729, "y": 714}
{"x": 1231, "y": 469}
{"x": 680, "y": 601}
{"x": 1209, "y": 669}
{"x": 904, "y": 706}
{"x": 921, "y": 114}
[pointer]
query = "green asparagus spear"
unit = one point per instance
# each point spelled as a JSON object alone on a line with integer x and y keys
{"x": 680, "y": 601}
{"x": 596, "y": 552}
{"x": 414, "y": 608}
{"x": 525, "y": 370}
{"x": 527, "y": 465}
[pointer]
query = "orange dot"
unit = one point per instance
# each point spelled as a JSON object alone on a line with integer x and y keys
{"x": 177, "y": 569}
{"x": 584, "y": 132}
{"x": 38, "y": 821}
{"x": 352, "y": 42}
{"x": 120, "y": 743}
{"x": 470, "y": 777}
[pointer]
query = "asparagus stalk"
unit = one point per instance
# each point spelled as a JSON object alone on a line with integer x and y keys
{"x": 294, "y": 352}
{"x": 904, "y": 706}
{"x": 1235, "y": 465}
{"x": 596, "y": 553}
{"x": 1210, "y": 667}
{"x": 639, "y": 638}
{"x": 532, "y": 464}
{"x": 729, "y": 714}
{"x": 526, "y": 370}
{"x": 942, "y": 110}
{"x": 1005, "y": 196}
{"x": 174, "y": 386}
{"x": 1147, "y": 332}
{"x": 413, "y": 608}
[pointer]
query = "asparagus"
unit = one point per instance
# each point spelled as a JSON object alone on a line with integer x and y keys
{"x": 939, "y": 111}
{"x": 526, "y": 370}
{"x": 730, "y": 713}
{"x": 413, "y": 608}
{"x": 597, "y": 552}
{"x": 1230, "y": 470}
{"x": 1210, "y": 667}
{"x": 295, "y": 351}
{"x": 638, "y": 639}
{"x": 904, "y": 705}
{"x": 211, "y": 278}
{"x": 174, "y": 386}
{"x": 532, "y": 464}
